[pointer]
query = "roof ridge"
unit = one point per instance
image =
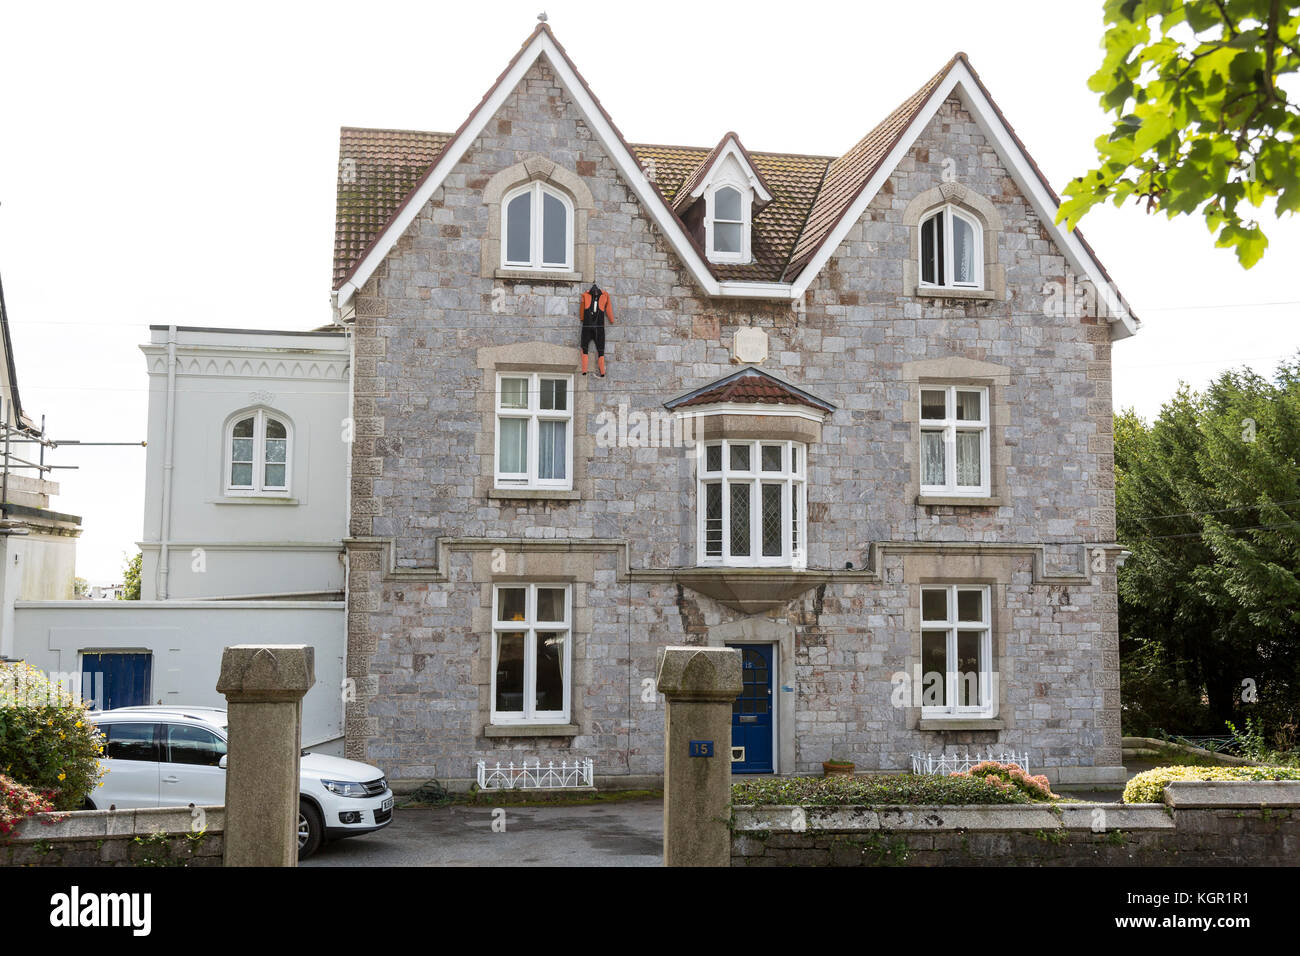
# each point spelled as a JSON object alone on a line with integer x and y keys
{"x": 392, "y": 129}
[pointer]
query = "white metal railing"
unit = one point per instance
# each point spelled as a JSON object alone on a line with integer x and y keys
{"x": 533, "y": 776}
{"x": 923, "y": 763}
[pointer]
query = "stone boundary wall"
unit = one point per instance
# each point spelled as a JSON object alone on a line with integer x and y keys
{"x": 1199, "y": 824}
{"x": 150, "y": 837}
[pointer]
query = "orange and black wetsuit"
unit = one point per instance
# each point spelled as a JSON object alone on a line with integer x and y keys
{"x": 595, "y": 311}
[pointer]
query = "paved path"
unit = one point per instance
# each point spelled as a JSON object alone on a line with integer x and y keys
{"x": 608, "y": 834}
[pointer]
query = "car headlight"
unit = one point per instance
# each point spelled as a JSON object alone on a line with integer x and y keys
{"x": 345, "y": 788}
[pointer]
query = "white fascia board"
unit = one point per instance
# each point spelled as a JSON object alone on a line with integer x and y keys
{"x": 626, "y": 162}
{"x": 756, "y": 290}
{"x": 732, "y": 150}
{"x": 959, "y": 78}
{"x": 752, "y": 408}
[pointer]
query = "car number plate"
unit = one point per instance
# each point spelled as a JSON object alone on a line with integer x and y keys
{"x": 387, "y": 804}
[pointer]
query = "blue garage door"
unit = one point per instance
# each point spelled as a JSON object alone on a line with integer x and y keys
{"x": 117, "y": 680}
{"x": 751, "y": 712}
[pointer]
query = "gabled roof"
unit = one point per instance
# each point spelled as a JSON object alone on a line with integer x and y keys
{"x": 749, "y": 386}
{"x": 815, "y": 199}
{"x": 848, "y": 175}
{"x": 729, "y": 145}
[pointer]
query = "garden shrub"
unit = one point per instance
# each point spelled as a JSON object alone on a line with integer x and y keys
{"x": 895, "y": 790}
{"x": 1010, "y": 777}
{"x": 17, "y": 803}
{"x": 48, "y": 741}
{"x": 1149, "y": 787}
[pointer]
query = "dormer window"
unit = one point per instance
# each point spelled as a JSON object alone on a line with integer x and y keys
{"x": 719, "y": 201}
{"x": 537, "y": 224}
{"x": 952, "y": 252}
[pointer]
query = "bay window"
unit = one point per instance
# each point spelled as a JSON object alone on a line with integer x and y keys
{"x": 751, "y": 503}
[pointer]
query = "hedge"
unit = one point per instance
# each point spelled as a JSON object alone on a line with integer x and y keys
{"x": 895, "y": 790}
{"x": 1149, "y": 786}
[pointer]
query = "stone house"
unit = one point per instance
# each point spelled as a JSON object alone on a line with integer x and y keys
{"x": 857, "y": 422}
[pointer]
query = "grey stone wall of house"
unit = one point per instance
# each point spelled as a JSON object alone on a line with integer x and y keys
{"x": 431, "y": 326}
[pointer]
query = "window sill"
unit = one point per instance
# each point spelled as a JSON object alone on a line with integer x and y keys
{"x": 533, "y": 494}
{"x": 531, "y": 730}
{"x": 944, "y": 292}
{"x": 961, "y": 723}
{"x": 958, "y": 501}
{"x": 538, "y": 275}
{"x": 254, "y": 500}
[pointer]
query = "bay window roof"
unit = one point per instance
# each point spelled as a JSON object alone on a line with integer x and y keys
{"x": 749, "y": 386}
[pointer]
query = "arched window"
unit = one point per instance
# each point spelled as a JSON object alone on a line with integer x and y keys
{"x": 537, "y": 225}
{"x": 257, "y": 449}
{"x": 952, "y": 249}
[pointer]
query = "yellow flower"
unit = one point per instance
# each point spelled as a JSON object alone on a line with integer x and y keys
{"x": 78, "y": 725}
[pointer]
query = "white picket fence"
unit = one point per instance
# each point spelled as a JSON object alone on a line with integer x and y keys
{"x": 533, "y": 776}
{"x": 944, "y": 764}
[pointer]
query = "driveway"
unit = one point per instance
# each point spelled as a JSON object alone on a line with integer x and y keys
{"x": 611, "y": 834}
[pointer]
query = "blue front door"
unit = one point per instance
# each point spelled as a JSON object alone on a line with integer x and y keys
{"x": 751, "y": 712}
{"x": 116, "y": 680}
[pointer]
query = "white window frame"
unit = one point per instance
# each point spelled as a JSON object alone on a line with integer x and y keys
{"x": 950, "y": 425}
{"x": 946, "y": 281}
{"x": 530, "y": 626}
{"x": 258, "y": 488}
{"x": 795, "y": 493}
{"x": 951, "y": 624}
{"x": 746, "y": 216}
{"x": 537, "y": 190}
{"x": 534, "y": 414}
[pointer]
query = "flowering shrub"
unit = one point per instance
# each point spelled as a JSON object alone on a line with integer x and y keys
{"x": 47, "y": 739}
{"x": 1010, "y": 778}
{"x": 17, "y": 803}
{"x": 1149, "y": 787}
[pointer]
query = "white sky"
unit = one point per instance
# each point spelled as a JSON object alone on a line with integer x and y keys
{"x": 175, "y": 163}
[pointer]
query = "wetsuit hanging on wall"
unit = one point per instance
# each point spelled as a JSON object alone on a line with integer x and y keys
{"x": 595, "y": 311}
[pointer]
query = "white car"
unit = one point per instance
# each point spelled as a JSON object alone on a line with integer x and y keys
{"x": 175, "y": 756}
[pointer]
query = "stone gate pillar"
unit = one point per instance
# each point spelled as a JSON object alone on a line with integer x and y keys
{"x": 699, "y": 685}
{"x": 264, "y": 686}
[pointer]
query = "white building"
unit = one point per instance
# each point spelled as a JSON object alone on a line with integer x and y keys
{"x": 246, "y": 480}
{"x": 246, "y": 506}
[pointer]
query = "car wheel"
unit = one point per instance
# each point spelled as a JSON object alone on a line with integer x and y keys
{"x": 311, "y": 829}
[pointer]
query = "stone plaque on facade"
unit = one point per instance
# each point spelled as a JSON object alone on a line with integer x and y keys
{"x": 750, "y": 345}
